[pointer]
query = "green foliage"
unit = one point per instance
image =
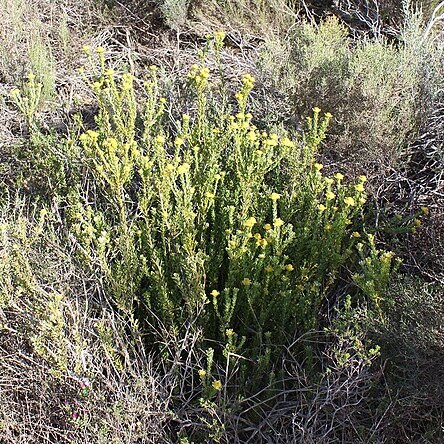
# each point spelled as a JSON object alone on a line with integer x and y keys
{"x": 377, "y": 269}
{"x": 41, "y": 154}
{"x": 174, "y": 12}
{"x": 199, "y": 276}
{"x": 21, "y": 289}
{"x": 28, "y": 101}
{"x": 373, "y": 86}
{"x": 42, "y": 63}
{"x": 258, "y": 17}
{"x": 219, "y": 222}
{"x": 25, "y": 46}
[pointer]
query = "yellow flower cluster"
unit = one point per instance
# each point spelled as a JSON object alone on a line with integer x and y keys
{"x": 349, "y": 201}
{"x": 184, "y": 168}
{"x": 248, "y": 81}
{"x": 246, "y": 282}
{"x": 250, "y": 222}
{"x": 217, "y": 385}
{"x": 199, "y": 74}
{"x": 330, "y": 195}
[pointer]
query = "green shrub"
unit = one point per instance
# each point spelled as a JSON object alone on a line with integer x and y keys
{"x": 374, "y": 87}
{"x": 199, "y": 236}
{"x": 217, "y": 222}
{"x": 252, "y": 17}
{"x": 412, "y": 347}
{"x": 174, "y": 12}
{"x": 68, "y": 370}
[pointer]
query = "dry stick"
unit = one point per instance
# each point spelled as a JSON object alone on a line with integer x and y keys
{"x": 434, "y": 19}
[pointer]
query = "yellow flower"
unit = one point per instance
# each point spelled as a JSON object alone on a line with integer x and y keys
{"x": 328, "y": 115}
{"x": 215, "y": 293}
{"x": 278, "y": 222}
{"x": 209, "y": 195}
{"x": 339, "y": 176}
{"x": 248, "y": 81}
{"x": 289, "y": 267}
{"x": 229, "y": 332}
{"x": 219, "y": 35}
{"x": 217, "y": 385}
{"x": 250, "y": 222}
{"x": 275, "y": 196}
{"x": 350, "y": 201}
{"x": 267, "y": 227}
{"x": 271, "y": 142}
{"x": 259, "y": 152}
{"x": 359, "y": 187}
{"x": 263, "y": 243}
{"x": 287, "y": 143}
{"x": 425, "y": 210}
{"x": 205, "y": 73}
{"x": 246, "y": 282}
{"x": 170, "y": 167}
{"x": 387, "y": 257}
{"x": 111, "y": 143}
{"x": 202, "y": 373}
{"x": 100, "y": 50}
{"x": 318, "y": 166}
{"x": 316, "y": 110}
{"x": 268, "y": 268}
{"x": 160, "y": 140}
{"x": 417, "y": 223}
{"x": 184, "y": 168}
{"x": 93, "y": 135}
{"x": 362, "y": 179}
{"x": 330, "y": 195}
{"x": 322, "y": 208}
{"x": 329, "y": 181}
{"x": 251, "y": 136}
{"x": 356, "y": 234}
{"x": 179, "y": 141}
{"x": 86, "y": 49}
